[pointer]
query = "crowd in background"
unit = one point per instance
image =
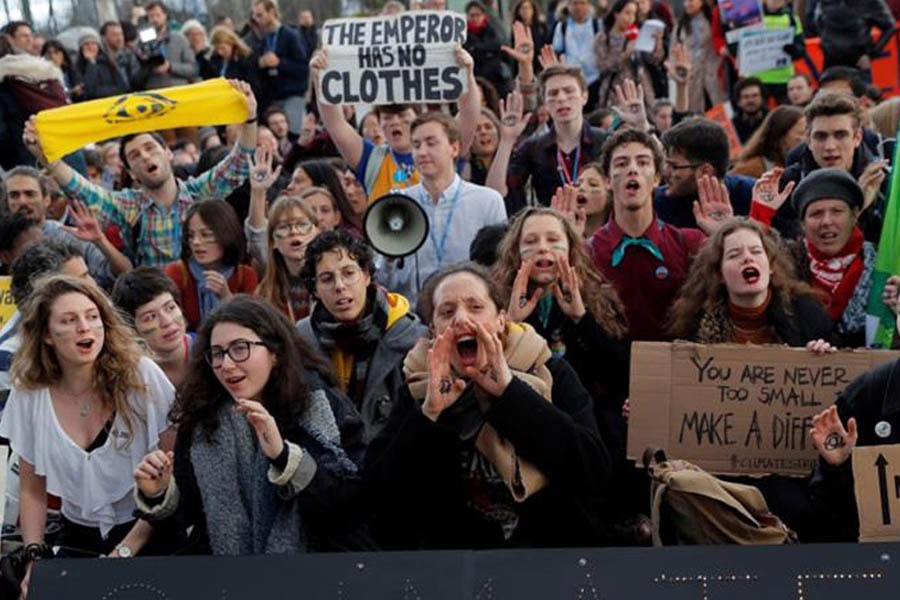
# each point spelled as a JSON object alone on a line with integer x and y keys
{"x": 210, "y": 356}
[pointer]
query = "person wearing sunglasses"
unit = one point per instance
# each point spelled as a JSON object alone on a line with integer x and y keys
{"x": 212, "y": 264}
{"x": 366, "y": 330}
{"x": 265, "y": 459}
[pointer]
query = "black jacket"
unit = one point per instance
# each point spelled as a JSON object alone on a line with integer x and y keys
{"x": 601, "y": 364}
{"x": 244, "y": 69}
{"x": 417, "y": 482}
{"x": 489, "y": 61}
{"x": 535, "y": 158}
{"x": 845, "y": 28}
{"x": 101, "y": 78}
{"x": 870, "y": 399}
{"x": 291, "y": 76}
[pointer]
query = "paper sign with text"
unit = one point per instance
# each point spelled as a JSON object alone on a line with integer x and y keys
{"x": 761, "y": 50}
{"x": 876, "y": 481}
{"x": 737, "y": 15}
{"x": 732, "y": 408}
{"x": 393, "y": 59}
{"x": 7, "y": 304}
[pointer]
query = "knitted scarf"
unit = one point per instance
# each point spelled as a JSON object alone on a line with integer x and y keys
{"x": 352, "y": 344}
{"x": 837, "y": 275}
{"x": 526, "y": 354}
{"x": 207, "y": 299}
{"x": 243, "y": 509}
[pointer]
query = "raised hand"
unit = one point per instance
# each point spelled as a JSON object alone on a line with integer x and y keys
{"x": 464, "y": 59}
{"x": 32, "y": 140}
{"x": 565, "y": 200}
{"x": 765, "y": 190}
{"x": 491, "y": 372}
{"x": 547, "y": 57}
{"x": 443, "y": 387}
{"x": 713, "y": 206}
{"x": 834, "y": 443}
{"x": 567, "y": 289}
{"x": 263, "y": 423}
{"x": 870, "y": 181}
{"x": 217, "y": 283}
{"x": 86, "y": 227}
{"x": 891, "y": 291}
{"x": 630, "y": 104}
{"x": 317, "y": 63}
{"x": 249, "y": 98}
{"x": 523, "y": 44}
{"x": 154, "y": 473}
{"x": 820, "y": 347}
{"x": 520, "y": 304}
{"x": 261, "y": 174}
{"x": 679, "y": 65}
{"x": 512, "y": 122}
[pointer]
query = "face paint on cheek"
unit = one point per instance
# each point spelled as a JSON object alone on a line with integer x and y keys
{"x": 148, "y": 331}
{"x": 561, "y": 248}
{"x": 526, "y": 252}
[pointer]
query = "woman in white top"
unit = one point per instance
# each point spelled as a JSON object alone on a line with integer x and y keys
{"x": 85, "y": 407}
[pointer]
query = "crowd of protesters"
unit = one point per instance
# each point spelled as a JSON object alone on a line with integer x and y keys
{"x": 208, "y": 356}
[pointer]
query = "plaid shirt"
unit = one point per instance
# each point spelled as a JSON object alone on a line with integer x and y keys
{"x": 156, "y": 229}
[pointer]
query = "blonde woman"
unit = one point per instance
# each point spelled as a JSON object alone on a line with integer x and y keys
{"x": 84, "y": 409}
{"x": 230, "y": 58}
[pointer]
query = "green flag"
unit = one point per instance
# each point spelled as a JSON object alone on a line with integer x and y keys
{"x": 880, "y": 319}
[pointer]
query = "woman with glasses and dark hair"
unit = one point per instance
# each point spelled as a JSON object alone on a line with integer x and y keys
{"x": 363, "y": 328}
{"x": 213, "y": 253}
{"x": 265, "y": 453}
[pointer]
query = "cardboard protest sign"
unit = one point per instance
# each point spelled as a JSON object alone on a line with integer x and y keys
{"x": 7, "y": 304}
{"x": 732, "y": 408}
{"x": 393, "y": 59}
{"x": 761, "y": 50}
{"x": 721, "y": 114}
{"x": 736, "y": 15}
{"x": 876, "y": 481}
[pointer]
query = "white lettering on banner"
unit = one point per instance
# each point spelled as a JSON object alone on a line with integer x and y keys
{"x": 406, "y": 58}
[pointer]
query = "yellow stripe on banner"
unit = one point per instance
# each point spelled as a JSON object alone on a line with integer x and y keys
{"x": 67, "y": 128}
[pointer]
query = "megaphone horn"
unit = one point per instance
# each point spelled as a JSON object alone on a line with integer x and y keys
{"x": 395, "y": 225}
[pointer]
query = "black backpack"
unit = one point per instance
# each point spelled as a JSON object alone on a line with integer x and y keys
{"x": 564, "y": 24}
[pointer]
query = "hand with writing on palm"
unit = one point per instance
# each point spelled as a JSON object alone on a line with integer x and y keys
{"x": 443, "y": 387}
{"x": 565, "y": 200}
{"x": 521, "y": 305}
{"x": 713, "y": 205}
{"x": 834, "y": 443}
{"x": 523, "y": 44}
{"x": 765, "y": 190}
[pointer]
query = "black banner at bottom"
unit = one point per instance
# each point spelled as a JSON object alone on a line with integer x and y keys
{"x": 802, "y": 572}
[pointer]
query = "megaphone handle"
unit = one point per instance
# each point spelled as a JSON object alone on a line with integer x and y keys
{"x": 400, "y": 262}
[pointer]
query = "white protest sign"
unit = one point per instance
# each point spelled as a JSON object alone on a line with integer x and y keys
{"x": 393, "y": 59}
{"x": 646, "y": 41}
{"x": 763, "y": 49}
{"x": 4, "y": 456}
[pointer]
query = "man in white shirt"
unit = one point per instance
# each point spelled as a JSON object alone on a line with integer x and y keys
{"x": 456, "y": 209}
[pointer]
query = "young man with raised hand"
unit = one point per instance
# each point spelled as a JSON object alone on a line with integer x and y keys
{"x": 391, "y": 166}
{"x": 149, "y": 216}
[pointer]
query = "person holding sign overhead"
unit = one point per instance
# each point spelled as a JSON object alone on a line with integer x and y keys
{"x": 390, "y": 166}
{"x": 456, "y": 209}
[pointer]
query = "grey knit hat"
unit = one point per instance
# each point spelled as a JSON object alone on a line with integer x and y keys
{"x": 827, "y": 184}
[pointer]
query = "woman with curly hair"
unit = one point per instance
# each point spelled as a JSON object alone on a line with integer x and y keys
{"x": 742, "y": 287}
{"x": 551, "y": 285}
{"x": 265, "y": 446}
{"x": 85, "y": 407}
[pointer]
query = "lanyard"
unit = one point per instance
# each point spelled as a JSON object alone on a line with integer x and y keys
{"x": 271, "y": 40}
{"x": 439, "y": 246}
{"x": 564, "y": 175}
{"x": 224, "y": 67}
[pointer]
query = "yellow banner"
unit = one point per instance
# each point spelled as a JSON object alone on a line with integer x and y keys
{"x": 67, "y": 128}
{"x": 7, "y": 305}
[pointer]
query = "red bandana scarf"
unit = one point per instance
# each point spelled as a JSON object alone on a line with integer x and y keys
{"x": 837, "y": 275}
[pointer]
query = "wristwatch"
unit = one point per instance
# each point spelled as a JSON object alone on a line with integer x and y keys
{"x": 124, "y": 551}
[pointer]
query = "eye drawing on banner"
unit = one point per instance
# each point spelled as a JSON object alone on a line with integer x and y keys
{"x": 399, "y": 59}
{"x": 138, "y": 107}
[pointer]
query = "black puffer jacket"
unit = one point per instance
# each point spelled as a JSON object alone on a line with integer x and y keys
{"x": 845, "y": 28}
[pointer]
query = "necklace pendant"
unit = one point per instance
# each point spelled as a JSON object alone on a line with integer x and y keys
{"x": 85, "y": 410}
{"x": 400, "y": 175}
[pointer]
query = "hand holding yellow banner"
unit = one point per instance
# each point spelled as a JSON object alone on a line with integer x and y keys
{"x": 67, "y": 128}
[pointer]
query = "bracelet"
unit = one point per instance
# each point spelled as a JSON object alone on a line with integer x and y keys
{"x": 251, "y": 120}
{"x": 36, "y": 551}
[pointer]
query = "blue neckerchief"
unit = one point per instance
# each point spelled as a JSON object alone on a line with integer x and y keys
{"x": 619, "y": 253}
{"x": 207, "y": 299}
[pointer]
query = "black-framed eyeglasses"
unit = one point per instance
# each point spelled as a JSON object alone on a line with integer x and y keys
{"x": 238, "y": 351}
{"x": 672, "y": 166}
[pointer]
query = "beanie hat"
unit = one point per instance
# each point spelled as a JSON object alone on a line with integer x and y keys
{"x": 88, "y": 37}
{"x": 827, "y": 184}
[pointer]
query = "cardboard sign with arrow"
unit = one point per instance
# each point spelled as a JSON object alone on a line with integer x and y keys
{"x": 876, "y": 475}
